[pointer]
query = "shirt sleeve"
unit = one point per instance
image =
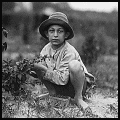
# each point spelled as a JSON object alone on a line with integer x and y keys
{"x": 61, "y": 76}
{"x": 42, "y": 54}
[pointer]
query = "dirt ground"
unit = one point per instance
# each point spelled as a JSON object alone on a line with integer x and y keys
{"x": 103, "y": 102}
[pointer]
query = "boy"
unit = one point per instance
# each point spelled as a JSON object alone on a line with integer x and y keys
{"x": 64, "y": 71}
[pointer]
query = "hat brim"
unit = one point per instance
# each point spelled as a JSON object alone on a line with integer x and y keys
{"x": 47, "y": 23}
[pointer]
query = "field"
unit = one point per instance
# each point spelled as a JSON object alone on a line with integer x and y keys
{"x": 103, "y": 100}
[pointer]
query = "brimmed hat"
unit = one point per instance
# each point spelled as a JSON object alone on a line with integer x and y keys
{"x": 56, "y": 18}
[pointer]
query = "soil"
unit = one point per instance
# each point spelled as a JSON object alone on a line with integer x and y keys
{"x": 103, "y": 103}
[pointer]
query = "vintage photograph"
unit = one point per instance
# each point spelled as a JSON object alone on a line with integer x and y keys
{"x": 59, "y": 59}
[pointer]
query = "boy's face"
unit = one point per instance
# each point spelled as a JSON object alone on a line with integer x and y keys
{"x": 56, "y": 35}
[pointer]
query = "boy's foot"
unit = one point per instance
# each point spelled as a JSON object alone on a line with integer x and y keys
{"x": 87, "y": 111}
{"x": 82, "y": 104}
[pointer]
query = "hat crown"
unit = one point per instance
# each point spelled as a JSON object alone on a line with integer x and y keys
{"x": 59, "y": 15}
{"x": 56, "y": 18}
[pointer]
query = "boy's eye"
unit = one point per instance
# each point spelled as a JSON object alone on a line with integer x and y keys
{"x": 51, "y": 30}
{"x": 60, "y": 31}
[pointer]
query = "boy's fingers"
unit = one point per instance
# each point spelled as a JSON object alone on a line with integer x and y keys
{"x": 33, "y": 74}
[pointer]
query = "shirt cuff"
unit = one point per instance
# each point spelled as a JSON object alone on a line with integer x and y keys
{"x": 56, "y": 77}
{"x": 49, "y": 75}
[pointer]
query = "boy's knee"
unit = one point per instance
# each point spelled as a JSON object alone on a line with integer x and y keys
{"x": 75, "y": 66}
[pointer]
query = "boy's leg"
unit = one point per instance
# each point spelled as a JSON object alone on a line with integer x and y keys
{"x": 77, "y": 78}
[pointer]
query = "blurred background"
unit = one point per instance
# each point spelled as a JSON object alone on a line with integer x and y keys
{"x": 96, "y": 34}
{"x": 22, "y": 19}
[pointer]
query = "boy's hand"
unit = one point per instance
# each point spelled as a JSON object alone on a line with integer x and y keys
{"x": 33, "y": 74}
{"x": 90, "y": 76}
{"x": 39, "y": 66}
{"x": 35, "y": 70}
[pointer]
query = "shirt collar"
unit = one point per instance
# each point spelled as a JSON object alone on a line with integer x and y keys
{"x": 59, "y": 47}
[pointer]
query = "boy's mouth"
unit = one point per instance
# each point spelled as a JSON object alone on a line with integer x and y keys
{"x": 55, "y": 40}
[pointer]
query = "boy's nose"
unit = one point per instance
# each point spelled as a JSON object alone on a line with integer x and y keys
{"x": 55, "y": 34}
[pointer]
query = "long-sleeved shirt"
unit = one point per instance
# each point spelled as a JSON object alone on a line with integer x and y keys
{"x": 57, "y": 62}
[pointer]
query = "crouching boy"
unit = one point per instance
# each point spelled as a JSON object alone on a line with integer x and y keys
{"x": 64, "y": 70}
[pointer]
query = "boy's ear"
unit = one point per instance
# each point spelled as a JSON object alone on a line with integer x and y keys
{"x": 67, "y": 34}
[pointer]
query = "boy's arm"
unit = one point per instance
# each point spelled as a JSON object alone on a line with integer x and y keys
{"x": 60, "y": 76}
